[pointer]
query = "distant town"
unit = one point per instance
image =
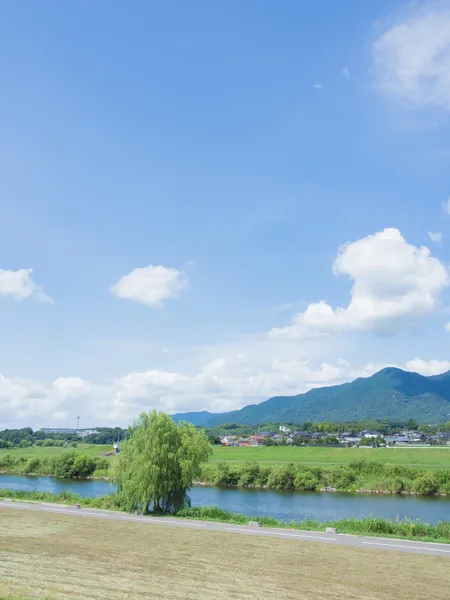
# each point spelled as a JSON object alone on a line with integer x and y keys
{"x": 286, "y": 436}
{"x": 279, "y": 435}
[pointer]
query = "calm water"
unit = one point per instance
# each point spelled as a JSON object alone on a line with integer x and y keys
{"x": 281, "y": 505}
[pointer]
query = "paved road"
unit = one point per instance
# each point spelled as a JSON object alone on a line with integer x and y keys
{"x": 306, "y": 536}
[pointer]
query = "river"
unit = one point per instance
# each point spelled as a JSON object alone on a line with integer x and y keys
{"x": 286, "y": 506}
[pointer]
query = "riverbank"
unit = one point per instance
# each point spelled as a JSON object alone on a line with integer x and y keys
{"x": 371, "y": 526}
{"x": 361, "y": 476}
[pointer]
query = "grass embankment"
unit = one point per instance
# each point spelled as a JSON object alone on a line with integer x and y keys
{"x": 49, "y": 452}
{"x": 361, "y": 476}
{"x": 402, "y": 529}
{"x": 424, "y": 457}
{"x": 59, "y": 557}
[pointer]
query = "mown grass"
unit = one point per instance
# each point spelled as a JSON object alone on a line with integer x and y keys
{"x": 426, "y": 457}
{"x": 57, "y": 556}
{"x": 49, "y": 452}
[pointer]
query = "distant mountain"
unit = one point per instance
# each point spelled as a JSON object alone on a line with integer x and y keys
{"x": 389, "y": 394}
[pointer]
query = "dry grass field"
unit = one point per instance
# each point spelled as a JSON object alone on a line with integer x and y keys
{"x": 60, "y": 557}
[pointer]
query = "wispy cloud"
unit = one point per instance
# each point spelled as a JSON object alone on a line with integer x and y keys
{"x": 446, "y": 207}
{"x": 318, "y": 87}
{"x": 412, "y": 57}
{"x": 435, "y": 237}
{"x": 346, "y": 73}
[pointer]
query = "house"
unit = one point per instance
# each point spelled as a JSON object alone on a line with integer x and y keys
{"x": 352, "y": 440}
{"x": 228, "y": 440}
{"x": 369, "y": 434}
{"x": 398, "y": 440}
{"x": 244, "y": 442}
{"x": 285, "y": 429}
{"x": 257, "y": 439}
{"x": 303, "y": 434}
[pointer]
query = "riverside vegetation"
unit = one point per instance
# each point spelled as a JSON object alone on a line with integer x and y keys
{"x": 400, "y": 528}
{"x": 361, "y": 475}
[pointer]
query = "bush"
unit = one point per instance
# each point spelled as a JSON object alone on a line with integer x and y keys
{"x": 32, "y": 465}
{"x": 249, "y": 474}
{"x": 225, "y": 475}
{"x": 6, "y": 461}
{"x": 427, "y": 484}
{"x": 305, "y": 481}
{"x": 282, "y": 478}
{"x": 73, "y": 464}
{"x": 341, "y": 478}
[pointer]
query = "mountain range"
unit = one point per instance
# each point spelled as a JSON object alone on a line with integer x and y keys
{"x": 391, "y": 394}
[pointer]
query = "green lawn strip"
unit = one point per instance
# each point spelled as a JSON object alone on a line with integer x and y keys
{"x": 322, "y": 456}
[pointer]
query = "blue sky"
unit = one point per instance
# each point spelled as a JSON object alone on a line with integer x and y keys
{"x": 180, "y": 178}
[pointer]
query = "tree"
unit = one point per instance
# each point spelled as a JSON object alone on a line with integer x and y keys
{"x": 158, "y": 463}
{"x": 413, "y": 425}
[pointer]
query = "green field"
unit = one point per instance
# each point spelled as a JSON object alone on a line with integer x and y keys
{"x": 61, "y": 557}
{"x": 427, "y": 457}
{"x": 44, "y": 452}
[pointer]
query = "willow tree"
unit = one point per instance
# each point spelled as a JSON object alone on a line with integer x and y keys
{"x": 158, "y": 463}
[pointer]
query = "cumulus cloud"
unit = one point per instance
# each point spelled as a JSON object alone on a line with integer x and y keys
{"x": 428, "y": 367}
{"x": 412, "y": 57}
{"x": 220, "y": 385}
{"x": 151, "y": 285}
{"x": 394, "y": 283}
{"x": 19, "y": 285}
{"x": 435, "y": 237}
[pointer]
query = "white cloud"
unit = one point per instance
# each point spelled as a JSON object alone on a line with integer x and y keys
{"x": 318, "y": 87}
{"x": 394, "y": 283}
{"x": 151, "y": 285}
{"x": 346, "y": 73}
{"x": 412, "y": 57}
{"x": 220, "y": 385}
{"x": 428, "y": 367}
{"x": 447, "y": 326}
{"x": 446, "y": 207}
{"x": 19, "y": 285}
{"x": 435, "y": 237}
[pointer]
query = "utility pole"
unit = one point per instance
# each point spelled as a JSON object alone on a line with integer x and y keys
{"x": 78, "y": 422}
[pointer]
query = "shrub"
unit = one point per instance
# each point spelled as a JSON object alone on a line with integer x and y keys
{"x": 282, "y": 478}
{"x": 225, "y": 475}
{"x": 249, "y": 474}
{"x": 6, "y": 461}
{"x": 305, "y": 481}
{"x": 341, "y": 478}
{"x": 32, "y": 465}
{"x": 73, "y": 464}
{"x": 427, "y": 484}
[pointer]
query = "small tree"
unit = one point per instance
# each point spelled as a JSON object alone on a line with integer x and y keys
{"x": 157, "y": 465}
